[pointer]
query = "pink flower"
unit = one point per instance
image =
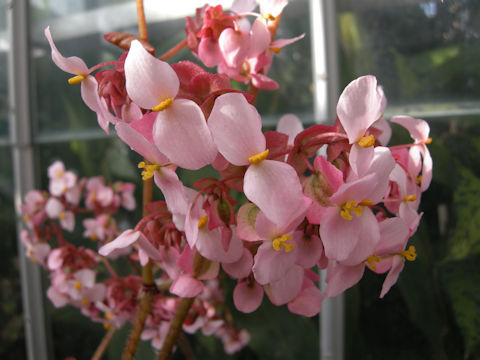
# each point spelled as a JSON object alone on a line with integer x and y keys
{"x": 180, "y": 131}
{"x": 271, "y": 185}
{"x": 56, "y": 210}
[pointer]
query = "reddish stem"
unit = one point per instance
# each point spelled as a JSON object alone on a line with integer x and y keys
{"x": 167, "y": 55}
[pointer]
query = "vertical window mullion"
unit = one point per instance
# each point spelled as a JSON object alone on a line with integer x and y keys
{"x": 23, "y": 170}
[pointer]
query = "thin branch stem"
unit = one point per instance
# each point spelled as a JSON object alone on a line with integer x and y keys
{"x": 104, "y": 344}
{"x": 175, "y": 328}
{"x": 167, "y": 55}
{"x": 142, "y": 23}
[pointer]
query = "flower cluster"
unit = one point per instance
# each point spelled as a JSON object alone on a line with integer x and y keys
{"x": 353, "y": 208}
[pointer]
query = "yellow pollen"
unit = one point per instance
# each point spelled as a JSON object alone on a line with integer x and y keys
{"x": 149, "y": 170}
{"x": 106, "y": 326}
{"x": 350, "y": 206}
{"x": 26, "y": 218}
{"x": 77, "y": 285}
{"x": 202, "y": 222}
{"x": 62, "y": 215}
{"x": 428, "y": 141}
{"x": 268, "y": 17}
{"x": 366, "y": 141}
{"x": 76, "y": 79}
{"x": 366, "y": 203}
{"x": 410, "y": 253}
{"x": 108, "y": 316}
{"x": 163, "y": 105}
{"x": 85, "y": 302}
{"x": 93, "y": 237}
{"x": 371, "y": 260}
{"x": 59, "y": 174}
{"x": 30, "y": 252}
{"x": 33, "y": 260}
{"x": 276, "y": 50}
{"x": 258, "y": 158}
{"x": 410, "y": 198}
{"x": 281, "y": 241}
{"x": 419, "y": 179}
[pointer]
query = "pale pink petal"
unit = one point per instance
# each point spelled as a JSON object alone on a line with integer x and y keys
{"x": 341, "y": 277}
{"x": 57, "y": 187}
{"x": 397, "y": 266}
{"x": 55, "y": 259}
{"x": 57, "y": 298}
{"x": 139, "y": 144}
{"x": 149, "y": 81}
{"x": 246, "y": 217}
{"x": 275, "y": 188}
{"x": 272, "y": 7}
{"x": 291, "y": 125}
{"x": 54, "y": 208}
{"x": 287, "y": 288}
{"x": 234, "y": 46}
{"x": 67, "y": 221}
{"x": 144, "y": 125}
{"x": 186, "y": 286}
{"x": 309, "y": 249}
{"x": 242, "y": 6}
{"x": 56, "y": 170}
{"x": 236, "y": 128}
{"x": 131, "y": 112}
{"x": 209, "y": 245}
{"x": 263, "y": 82}
{"x": 150, "y": 250}
{"x": 181, "y": 133}
{"x": 72, "y": 65}
{"x": 209, "y": 271}
{"x": 260, "y": 38}
{"x": 271, "y": 265}
{"x": 386, "y": 131}
{"x": 418, "y": 128}
{"x": 394, "y": 235}
{"x": 308, "y": 302}
{"x": 89, "y": 93}
{"x": 280, "y": 43}
{"x": 127, "y": 238}
{"x": 209, "y": 52}
{"x": 357, "y": 190}
{"x": 85, "y": 276}
{"x": 266, "y": 229}
{"x": 359, "y": 106}
{"x": 247, "y": 297}
{"x": 427, "y": 169}
{"x": 240, "y": 268}
{"x": 331, "y": 174}
{"x": 173, "y": 190}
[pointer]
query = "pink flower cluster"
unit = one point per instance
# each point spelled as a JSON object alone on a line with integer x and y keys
{"x": 353, "y": 208}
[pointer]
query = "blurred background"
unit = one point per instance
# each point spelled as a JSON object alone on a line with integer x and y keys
{"x": 426, "y": 54}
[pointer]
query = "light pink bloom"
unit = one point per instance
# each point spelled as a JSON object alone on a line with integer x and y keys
{"x": 271, "y": 185}
{"x": 55, "y": 210}
{"x": 359, "y": 106}
{"x": 180, "y": 131}
{"x": 419, "y": 131}
{"x": 247, "y": 296}
{"x": 89, "y": 86}
{"x": 290, "y": 125}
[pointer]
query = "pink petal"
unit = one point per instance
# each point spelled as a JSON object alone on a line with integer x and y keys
{"x": 272, "y": 7}
{"x": 287, "y": 288}
{"x": 275, "y": 188}
{"x": 236, "y": 128}
{"x": 72, "y": 65}
{"x": 172, "y": 189}
{"x": 291, "y": 125}
{"x": 427, "y": 169}
{"x": 280, "y": 43}
{"x": 397, "y": 266}
{"x": 186, "y": 286}
{"x": 209, "y": 245}
{"x": 418, "y": 128}
{"x": 308, "y": 302}
{"x": 394, "y": 235}
{"x": 181, "y": 133}
{"x": 341, "y": 277}
{"x": 263, "y": 82}
{"x": 234, "y": 46}
{"x": 144, "y": 125}
{"x": 209, "y": 52}
{"x": 359, "y": 106}
{"x": 247, "y": 297}
{"x": 54, "y": 208}
{"x": 127, "y": 238}
{"x": 271, "y": 265}
{"x": 260, "y": 38}
{"x": 242, "y": 267}
{"x": 309, "y": 249}
{"x": 386, "y": 131}
{"x": 246, "y": 216}
{"x": 139, "y": 144}
{"x": 149, "y": 81}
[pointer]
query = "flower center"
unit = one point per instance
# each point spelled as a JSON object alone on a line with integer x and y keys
{"x": 353, "y": 206}
{"x": 163, "y": 105}
{"x": 149, "y": 169}
{"x": 366, "y": 141}
{"x": 371, "y": 260}
{"x": 409, "y": 254}
{"x": 281, "y": 241}
{"x": 258, "y": 158}
{"x": 202, "y": 221}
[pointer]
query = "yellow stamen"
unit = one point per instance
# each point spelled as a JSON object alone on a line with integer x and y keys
{"x": 202, "y": 222}
{"x": 410, "y": 198}
{"x": 93, "y": 237}
{"x": 366, "y": 141}
{"x": 258, "y": 158}
{"x": 163, "y": 105}
{"x": 62, "y": 215}
{"x": 366, "y": 203}
{"x": 76, "y": 79}
{"x": 419, "y": 179}
{"x": 77, "y": 285}
{"x": 350, "y": 206}
{"x": 107, "y": 326}
{"x": 371, "y": 260}
{"x": 268, "y": 17}
{"x": 410, "y": 253}
{"x": 281, "y": 241}
{"x": 149, "y": 170}
{"x": 26, "y": 218}
{"x": 108, "y": 316}
{"x": 85, "y": 302}
{"x": 429, "y": 141}
{"x": 33, "y": 260}
{"x": 276, "y": 50}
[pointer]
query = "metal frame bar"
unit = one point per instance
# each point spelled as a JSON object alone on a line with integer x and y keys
{"x": 23, "y": 169}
